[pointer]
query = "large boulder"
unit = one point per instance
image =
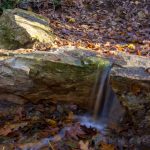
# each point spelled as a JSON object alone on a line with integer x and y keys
{"x": 20, "y": 28}
{"x": 69, "y": 75}
{"x": 130, "y": 80}
{"x": 66, "y": 75}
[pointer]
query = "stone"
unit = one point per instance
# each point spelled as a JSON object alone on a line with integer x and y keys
{"x": 12, "y": 98}
{"x": 68, "y": 75}
{"x": 21, "y": 29}
{"x": 141, "y": 15}
{"x": 113, "y": 23}
{"x": 131, "y": 83}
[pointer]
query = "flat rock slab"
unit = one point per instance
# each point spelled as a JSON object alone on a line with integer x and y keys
{"x": 130, "y": 80}
{"x": 56, "y": 75}
{"x": 68, "y": 75}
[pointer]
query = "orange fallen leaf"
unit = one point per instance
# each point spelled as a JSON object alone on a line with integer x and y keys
{"x": 90, "y": 45}
{"x": 5, "y": 131}
{"x": 11, "y": 127}
{"x": 139, "y": 53}
{"x": 84, "y": 146}
{"x": 119, "y": 48}
{"x": 105, "y": 146}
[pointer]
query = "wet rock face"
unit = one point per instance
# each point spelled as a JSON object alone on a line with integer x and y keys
{"x": 20, "y": 28}
{"x": 131, "y": 83}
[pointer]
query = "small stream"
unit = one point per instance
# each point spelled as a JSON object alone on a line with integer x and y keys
{"x": 105, "y": 112}
{"x": 104, "y": 108}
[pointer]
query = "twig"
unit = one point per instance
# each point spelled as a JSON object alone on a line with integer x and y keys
{"x": 50, "y": 145}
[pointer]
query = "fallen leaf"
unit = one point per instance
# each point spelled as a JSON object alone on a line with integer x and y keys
{"x": 119, "y": 48}
{"x": 129, "y": 29}
{"x": 131, "y": 46}
{"x": 75, "y": 131}
{"x": 5, "y": 131}
{"x": 51, "y": 122}
{"x": 72, "y": 144}
{"x": 11, "y": 127}
{"x": 105, "y": 146}
{"x": 70, "y": 117}
{"x": 84, "y": 146}
{"x": 71, "y": 20}
{"x": 139, "y": 53}
{"x": 57, "y": 138}
{"x": 141, "y": 15}
{"x": 85, "y": 26}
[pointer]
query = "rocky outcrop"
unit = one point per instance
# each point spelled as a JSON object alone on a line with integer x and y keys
{"x": 20, "y": 29}
{"x": 62, "y": 75}
{"x": 130, "y": 80}
{"x": 69, "y": 74}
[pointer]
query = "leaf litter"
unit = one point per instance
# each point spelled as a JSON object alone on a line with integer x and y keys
{"x": 104, "y": 26}
{"x": 47, "y": 125}
{"x": 84, "y": 24}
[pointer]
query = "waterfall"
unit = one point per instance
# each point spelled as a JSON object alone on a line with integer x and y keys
{"x": 104, "y": 105}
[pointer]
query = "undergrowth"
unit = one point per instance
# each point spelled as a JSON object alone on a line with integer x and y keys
{"x": 9, "y": 4}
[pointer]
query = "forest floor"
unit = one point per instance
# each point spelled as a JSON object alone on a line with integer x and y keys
{"x": 87, "y": 26}
{"x": 51, "y": 126}
{"x": 103, "y": 28}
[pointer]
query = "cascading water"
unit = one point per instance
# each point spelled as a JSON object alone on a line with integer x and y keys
{"x": 102, "y": 99}
{"x": 104, "y": 106}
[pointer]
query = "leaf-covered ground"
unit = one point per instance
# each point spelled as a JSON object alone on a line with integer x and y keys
{"x": 47, "y": 125}
{"x": 86, "y": 24}
{"x": 102, "y": 26}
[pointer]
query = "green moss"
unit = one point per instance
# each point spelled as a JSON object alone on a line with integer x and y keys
{"x": 9, "y": 4}
{"x": 64, "y": 71}
{"x": 8, "y": 38}
{"x": 96, "y": 61}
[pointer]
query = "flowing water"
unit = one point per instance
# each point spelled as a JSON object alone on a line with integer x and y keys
{"x": 103, "y": 100}
{"x": 104, "y": 107}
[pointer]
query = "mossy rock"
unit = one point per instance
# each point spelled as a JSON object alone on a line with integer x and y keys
{"x": 58, "y": 75}
{"x": 130, "y": 81}
{"x": 20, "y": 29}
